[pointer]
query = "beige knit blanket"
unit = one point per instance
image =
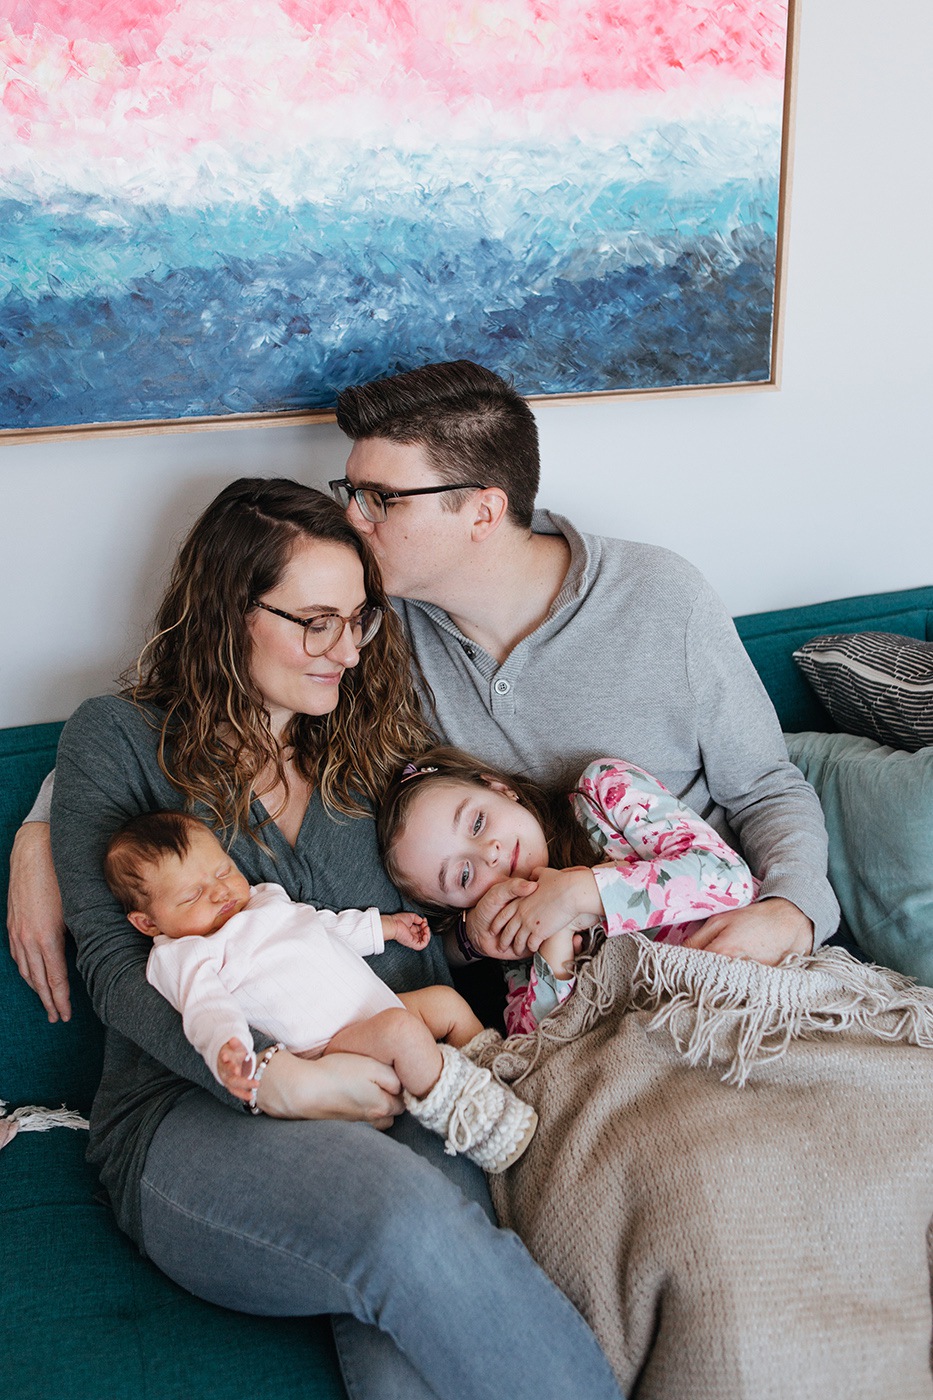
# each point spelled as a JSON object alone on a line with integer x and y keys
{"x": 733, "y": 1174}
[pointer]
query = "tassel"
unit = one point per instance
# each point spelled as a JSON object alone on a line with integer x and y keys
{"x": 747, "y": 1013}
{"x": 32, "y": 1118}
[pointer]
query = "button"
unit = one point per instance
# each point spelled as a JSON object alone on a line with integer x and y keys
{"x": 502, "y": 687}
{"x": 470, "y": 651}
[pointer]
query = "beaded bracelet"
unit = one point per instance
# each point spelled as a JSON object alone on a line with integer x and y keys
{"x": 463, "y": 942}
{"x": 252, "y": 1105}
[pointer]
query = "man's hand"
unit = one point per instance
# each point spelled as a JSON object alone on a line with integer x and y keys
{"x": 766, "y": 932}
{"x": 35, "y": 921}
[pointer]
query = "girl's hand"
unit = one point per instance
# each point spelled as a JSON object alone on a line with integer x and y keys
{"x": 34, "y": 919}
{"x": 352, "y": 1088}
{"x": 563, "y": 902}
{"x": 411, "y": 930}
{"x": 235, "y": 1067}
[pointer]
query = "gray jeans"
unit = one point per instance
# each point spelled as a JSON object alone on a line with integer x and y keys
{"x": 293, "y": 1219}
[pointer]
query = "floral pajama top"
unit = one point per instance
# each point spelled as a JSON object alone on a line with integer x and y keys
{"x": 665, "y": 872}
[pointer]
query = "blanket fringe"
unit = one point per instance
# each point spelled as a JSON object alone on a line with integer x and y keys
{"x": 33, "y": 1118}
{"x": 747, "y": 1013}
{"x": 729, "y": 1012}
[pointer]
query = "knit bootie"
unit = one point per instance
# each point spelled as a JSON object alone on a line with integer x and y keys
{"x": 476, "y": 1115}
{"x": 480, "y": 1044}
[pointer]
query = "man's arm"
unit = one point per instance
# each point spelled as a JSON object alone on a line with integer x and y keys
{"x": 34, "y": 917}
{"x": 770, "y": 806}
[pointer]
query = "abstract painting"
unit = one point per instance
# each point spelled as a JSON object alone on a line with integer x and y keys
{"x": 214, "y": 208}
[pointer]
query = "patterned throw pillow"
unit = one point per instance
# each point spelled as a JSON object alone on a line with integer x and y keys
{"x": 875, "y": 684}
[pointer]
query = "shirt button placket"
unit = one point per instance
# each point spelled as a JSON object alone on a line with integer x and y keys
{"x": 503, "y": 698}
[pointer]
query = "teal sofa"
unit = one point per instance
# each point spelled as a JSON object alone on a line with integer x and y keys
{"x": 84, "y": 1316}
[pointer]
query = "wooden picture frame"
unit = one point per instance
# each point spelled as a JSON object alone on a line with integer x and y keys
{"x": 216, "y": 230}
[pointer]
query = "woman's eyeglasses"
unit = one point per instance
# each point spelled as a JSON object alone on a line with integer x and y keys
{"x": 323, "y": 631}
{"x": 371, "y": 502}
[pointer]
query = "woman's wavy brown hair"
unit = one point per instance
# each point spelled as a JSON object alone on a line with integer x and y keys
{"x": 567, "y": 842}
{"x": 215, "y": 735}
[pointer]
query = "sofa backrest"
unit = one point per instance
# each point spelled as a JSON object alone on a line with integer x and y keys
{"x": 771, "y": 638}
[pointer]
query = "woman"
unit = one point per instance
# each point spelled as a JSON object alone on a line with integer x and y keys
{"x": 272, "y": 701}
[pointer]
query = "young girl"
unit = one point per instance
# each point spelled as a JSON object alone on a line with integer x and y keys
{"x": 621, "y": 853}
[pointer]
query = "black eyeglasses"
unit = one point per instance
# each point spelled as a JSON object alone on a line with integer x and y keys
{"x": 324, "y": 630}
{"x": 372, "y": 502}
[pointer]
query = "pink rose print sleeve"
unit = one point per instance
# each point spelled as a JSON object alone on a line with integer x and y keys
{"x": 666, "y": 869}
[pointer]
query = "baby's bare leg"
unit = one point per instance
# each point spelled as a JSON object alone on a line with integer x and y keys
{"x": 445, "y": 1013}
{"x": 398, "y": 1038}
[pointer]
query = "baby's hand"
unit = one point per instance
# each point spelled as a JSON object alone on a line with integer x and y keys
{"x": 235, "y": 1068}
{"x": 411, "y": 930}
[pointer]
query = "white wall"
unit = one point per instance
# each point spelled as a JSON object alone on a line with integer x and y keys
{"x": 820, "y": 490}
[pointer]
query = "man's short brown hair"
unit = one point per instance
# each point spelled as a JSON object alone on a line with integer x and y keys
{"x": 472, "y": 423}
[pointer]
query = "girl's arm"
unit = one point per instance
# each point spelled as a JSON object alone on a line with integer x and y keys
{"x": 665, "y": 865}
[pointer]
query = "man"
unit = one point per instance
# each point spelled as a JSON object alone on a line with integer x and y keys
{"x": 543, "y": 648}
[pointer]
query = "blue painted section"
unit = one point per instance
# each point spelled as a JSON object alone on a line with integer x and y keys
{"x": 114, "y": 311}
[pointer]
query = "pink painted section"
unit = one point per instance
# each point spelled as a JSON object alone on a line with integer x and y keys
{"x": 139, "y": 83}
{"x": 133, "y": 28}
{"x": 506, "y": 50}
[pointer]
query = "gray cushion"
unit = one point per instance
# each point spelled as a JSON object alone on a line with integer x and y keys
{"x": 878, "y": 805}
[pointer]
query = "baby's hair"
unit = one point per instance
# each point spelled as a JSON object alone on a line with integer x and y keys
{"x": 567, "y": 842}
{"x": 144, "y": 841}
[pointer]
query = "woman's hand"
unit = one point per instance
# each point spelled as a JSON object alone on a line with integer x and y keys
{"x": 35, "y": 921}
{"x": 352, "y": 1088}
{"x": 485, "y": 912}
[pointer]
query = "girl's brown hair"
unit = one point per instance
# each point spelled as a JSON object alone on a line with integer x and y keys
{"x": 567, "y": 842}
{"x": 215, "y": 732}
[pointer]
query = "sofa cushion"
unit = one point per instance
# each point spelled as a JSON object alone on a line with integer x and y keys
{"x": 878, "y": 804}
{"x": 85, "y": 1315}
{"x": 877, "y": 684}
{"x": 53, "y": 1064}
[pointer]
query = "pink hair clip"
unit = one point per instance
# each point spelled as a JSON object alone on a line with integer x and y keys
{"x": 411, "y": 770}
